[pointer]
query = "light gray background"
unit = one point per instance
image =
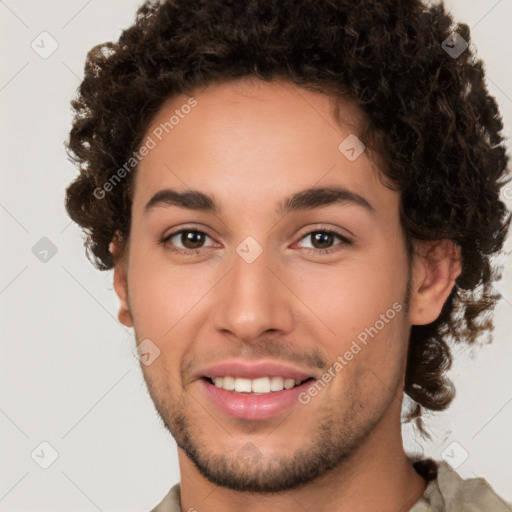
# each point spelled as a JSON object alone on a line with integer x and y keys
{"x": 68, "y": 374}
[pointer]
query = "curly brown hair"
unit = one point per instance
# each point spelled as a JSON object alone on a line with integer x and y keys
{"x": 430, "y": 121}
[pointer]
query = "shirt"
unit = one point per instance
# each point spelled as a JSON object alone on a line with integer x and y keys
{"x": 446, "y": 491}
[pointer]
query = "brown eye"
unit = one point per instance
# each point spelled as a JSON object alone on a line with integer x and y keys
{"x": 322, "y": 239}
{"x": 185, "y": 240}
{"x": 192, "y": 239}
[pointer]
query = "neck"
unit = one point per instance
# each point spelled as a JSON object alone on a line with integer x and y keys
{"x": 378, "y": 476}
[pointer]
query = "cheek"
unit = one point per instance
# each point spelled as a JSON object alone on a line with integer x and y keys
{"x": 157, "y": 298}
{"x": 160, "y": 306}
{"x": 165, "y": 297}
{"x": 361, "y": 302}
{"x": 350, "y": 296}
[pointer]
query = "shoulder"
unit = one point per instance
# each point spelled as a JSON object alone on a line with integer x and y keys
{"x": 449, "y": 492}
{"x": 171, "y": 502}
{"x": 446, "y": 492}
{"x": 473, "y": 492}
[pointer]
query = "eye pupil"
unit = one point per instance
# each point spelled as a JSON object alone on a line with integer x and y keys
{"x": 323, "y": 238}
{"x": 192, "y": 237}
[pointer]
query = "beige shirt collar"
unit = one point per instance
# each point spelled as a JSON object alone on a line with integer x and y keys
{"x": 447, "y": 493}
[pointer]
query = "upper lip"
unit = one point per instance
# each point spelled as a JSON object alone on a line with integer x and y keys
{"x": 252, "y": 370}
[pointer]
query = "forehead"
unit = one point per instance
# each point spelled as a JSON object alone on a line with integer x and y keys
{"x": 254, "y": 138}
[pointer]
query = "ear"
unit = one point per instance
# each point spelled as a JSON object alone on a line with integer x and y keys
{"x": 436, "y": 264}
{"x": 117, "y": 249}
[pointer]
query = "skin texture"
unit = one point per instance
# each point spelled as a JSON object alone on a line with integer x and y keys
{"x": 251, "y": 144}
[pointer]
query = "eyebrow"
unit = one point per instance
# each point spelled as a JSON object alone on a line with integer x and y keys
{"x": 315, "y": 197}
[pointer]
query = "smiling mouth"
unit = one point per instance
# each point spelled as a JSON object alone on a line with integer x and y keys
{"x": 259, "y": 386}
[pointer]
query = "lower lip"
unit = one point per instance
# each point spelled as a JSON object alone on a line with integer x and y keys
{"x": 253, "y": 407}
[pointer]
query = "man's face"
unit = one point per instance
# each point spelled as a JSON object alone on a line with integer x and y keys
{"x": 262, "y": 286}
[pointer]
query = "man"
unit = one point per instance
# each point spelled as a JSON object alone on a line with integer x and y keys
{"x": 298, "y": 199}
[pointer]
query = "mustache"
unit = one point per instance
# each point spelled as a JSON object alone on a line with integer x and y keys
{"x": 278, "y": 351}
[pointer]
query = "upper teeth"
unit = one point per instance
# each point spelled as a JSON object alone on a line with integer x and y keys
{"x": 261, "y": 385}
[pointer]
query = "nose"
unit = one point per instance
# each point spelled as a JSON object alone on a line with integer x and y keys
{"x": 251, "y": 300}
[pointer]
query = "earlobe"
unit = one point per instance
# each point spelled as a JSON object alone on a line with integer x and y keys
{"x": 436, "y": 266}
{"x": 120, "y": 281}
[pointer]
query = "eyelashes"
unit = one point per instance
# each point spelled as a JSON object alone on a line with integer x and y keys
{"x": 185, "y": 251}
{"x": 331, "y": 233}
{"x": 327, "y": 234}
